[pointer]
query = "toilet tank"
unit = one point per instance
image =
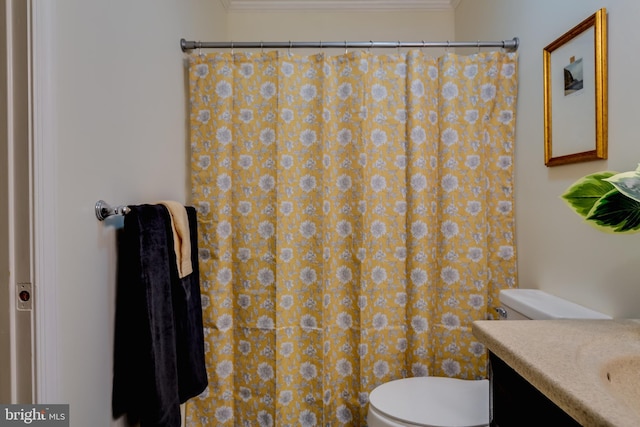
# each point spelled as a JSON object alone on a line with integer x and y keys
{"x": 534, "y": 304}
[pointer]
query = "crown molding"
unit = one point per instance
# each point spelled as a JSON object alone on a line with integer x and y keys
{"x": 339, "y": 5}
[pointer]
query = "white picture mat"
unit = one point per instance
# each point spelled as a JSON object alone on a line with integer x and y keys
{"x": 573, "y": 127}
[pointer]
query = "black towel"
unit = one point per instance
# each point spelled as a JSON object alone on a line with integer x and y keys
{"x": 158, "y": 345}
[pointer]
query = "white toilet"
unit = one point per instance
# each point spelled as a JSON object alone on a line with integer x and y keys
{"x": 449, "y": 402}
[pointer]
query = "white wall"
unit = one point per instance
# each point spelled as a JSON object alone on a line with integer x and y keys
{"x": 121, "y": 105}
{"x": 339, "y": 26}
{"x": 557, "y": 251}
{"x": 121, "y": 110}
{"x": 121, "y": 119}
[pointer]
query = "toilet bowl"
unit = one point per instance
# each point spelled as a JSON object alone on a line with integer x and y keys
{"x": 450, "y": 402}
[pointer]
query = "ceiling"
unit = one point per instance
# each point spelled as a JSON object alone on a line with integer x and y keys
{"x": 336, "y": 5}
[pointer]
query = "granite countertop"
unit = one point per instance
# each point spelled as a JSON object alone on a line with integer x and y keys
{"x": 564, "y": 359}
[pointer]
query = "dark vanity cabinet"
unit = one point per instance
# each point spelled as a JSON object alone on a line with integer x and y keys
{"x": 516, "y": 403}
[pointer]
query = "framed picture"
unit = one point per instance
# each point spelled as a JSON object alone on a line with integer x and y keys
{"x": 575, "y": 93}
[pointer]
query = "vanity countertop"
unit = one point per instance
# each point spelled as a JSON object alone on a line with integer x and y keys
{"x": 569, "y": 360}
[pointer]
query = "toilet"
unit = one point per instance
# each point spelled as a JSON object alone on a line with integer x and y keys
{"x": 449, "y": 402}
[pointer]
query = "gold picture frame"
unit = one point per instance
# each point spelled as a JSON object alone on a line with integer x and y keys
{"x": 575, "y": 92}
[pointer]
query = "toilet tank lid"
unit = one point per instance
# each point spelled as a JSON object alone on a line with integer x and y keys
{"x": 539, "y": 305}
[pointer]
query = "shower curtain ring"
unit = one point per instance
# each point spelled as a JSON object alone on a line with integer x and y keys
{"x": 261, "y": 47}
{"x": 231, "y": 47}
{"x": 290, "y": 47}
{"x": 446, "y": 49}
{"x": 478, "y": 46}
{"x": 370, "y": 46}
{"x": 345, "y": 48}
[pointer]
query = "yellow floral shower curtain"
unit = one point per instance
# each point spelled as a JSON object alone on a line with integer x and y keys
{"x": 356, "y": 215}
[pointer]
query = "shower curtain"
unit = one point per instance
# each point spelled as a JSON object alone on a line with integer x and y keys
{"x": 356, "y": 215}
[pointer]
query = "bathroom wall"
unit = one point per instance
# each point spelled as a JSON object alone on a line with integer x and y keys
{"x": 121, "y": 110}
{"x": 121, "y": 107}
{"x": 344, "y": 25}
{"x": 557, "y": 251}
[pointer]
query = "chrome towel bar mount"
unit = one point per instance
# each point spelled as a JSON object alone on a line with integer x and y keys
{"x": 105, "y": 210}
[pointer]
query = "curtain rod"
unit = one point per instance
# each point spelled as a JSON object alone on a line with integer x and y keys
{"x": 509, "y": 45}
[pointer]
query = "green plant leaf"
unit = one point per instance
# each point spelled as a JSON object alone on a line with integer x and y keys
{"x": 616, "y": 212}
{"x": 628, "y": 183}
{"x": 583, "y": 194}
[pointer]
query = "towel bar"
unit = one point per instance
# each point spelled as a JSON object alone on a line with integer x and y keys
{"x": 104, "y": 210}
